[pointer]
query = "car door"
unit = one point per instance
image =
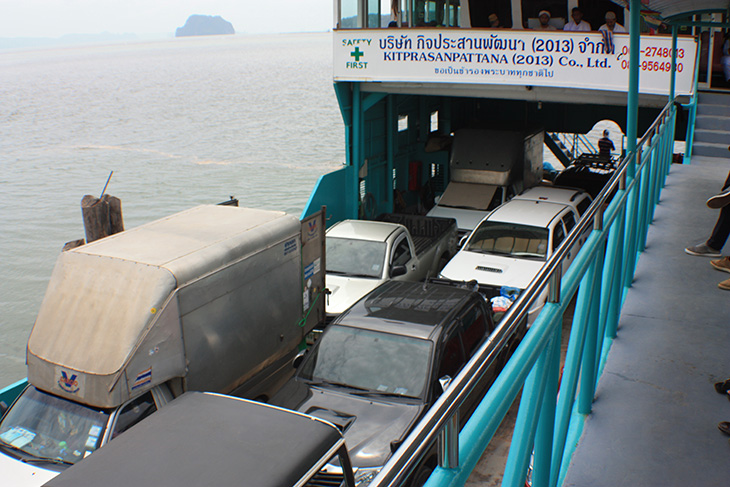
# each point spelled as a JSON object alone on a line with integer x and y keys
{"x": 402, "y": 255}
{"x": 558, "y": 235}
{"x": 474, "y": 327}
{"x": 135, "y": 410}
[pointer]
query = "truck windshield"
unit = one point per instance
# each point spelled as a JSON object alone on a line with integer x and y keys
{"x": 48, "y": 427}
{"x": 357, "y": 258}
{"x": 375, "y": 361}
{"x": 509, "y": 239}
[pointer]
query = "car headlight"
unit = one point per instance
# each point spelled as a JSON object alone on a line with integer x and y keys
{"x": 364, "y": 476}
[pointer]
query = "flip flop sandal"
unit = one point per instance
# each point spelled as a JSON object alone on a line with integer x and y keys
{"x": 724, "y": 426}
{"x": 722, "y": 387}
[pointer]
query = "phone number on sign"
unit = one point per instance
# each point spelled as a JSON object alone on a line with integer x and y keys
{"x": 653, "y": 66}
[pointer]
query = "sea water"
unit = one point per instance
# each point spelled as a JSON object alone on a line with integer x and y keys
{"x": 180, "y": 122}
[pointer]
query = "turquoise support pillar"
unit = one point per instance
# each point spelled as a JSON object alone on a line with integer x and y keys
{"x": 632, "y": 109}
{"x": 673, "y": 73}
{"x": 617, "y": 259}
{"x": 356, "y": 160}
{"x": 523, "y": 437}
{"x": 632, "y": 119}
{"x": 588, "y": 297}
{"x": 546, "y": 423}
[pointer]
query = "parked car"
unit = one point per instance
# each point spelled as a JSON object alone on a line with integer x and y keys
{"x": 381, "y": 364}
{"x": 211, "y": 439}
{"x": 362, "y": 254}
{"x": 510, "y": 246}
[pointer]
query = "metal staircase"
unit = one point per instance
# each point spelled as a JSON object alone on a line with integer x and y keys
{"x": 712, "y": 125}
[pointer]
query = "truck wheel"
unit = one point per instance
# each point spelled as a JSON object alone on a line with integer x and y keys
{"x": 422, "y": 475}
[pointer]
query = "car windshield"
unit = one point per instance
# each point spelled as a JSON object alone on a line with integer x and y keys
{"x": 48, "y": 427}
{"x": 509, "y": 239}
{"x": 358, "y": 258}
{"x": 371, "y": 360}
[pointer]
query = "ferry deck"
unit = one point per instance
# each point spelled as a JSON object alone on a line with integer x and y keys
{"x": 655, "y": 413}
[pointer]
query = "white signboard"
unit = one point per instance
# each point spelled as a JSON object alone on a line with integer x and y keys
{"x": 510, "y": 57}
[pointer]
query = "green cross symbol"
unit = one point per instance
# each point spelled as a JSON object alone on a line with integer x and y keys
{"x": 357, "y": 53}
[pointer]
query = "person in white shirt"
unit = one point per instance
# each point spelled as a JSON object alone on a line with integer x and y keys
{"x": 612, "y": 25}
{"x": 544, "y": 17}
{"x": 577, "y": 24}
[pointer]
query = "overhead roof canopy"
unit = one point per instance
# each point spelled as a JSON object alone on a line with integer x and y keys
{"x": 668, "y": 9}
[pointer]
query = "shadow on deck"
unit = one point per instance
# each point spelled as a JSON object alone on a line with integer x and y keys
{"x": 655, "y": 415}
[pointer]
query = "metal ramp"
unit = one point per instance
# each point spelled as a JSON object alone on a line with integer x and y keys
{"x": 655, "y": 415}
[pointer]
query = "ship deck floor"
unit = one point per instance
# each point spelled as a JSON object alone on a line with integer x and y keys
{"x": 655, "y": 414}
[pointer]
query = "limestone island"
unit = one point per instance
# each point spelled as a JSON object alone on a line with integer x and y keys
{"x": 205, "y": 25}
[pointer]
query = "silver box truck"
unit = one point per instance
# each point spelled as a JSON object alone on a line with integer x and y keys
{"x": 215, "y": 298}
{"x": 486, "y": 168}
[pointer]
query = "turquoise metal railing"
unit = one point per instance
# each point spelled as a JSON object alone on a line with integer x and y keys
{"x": 549, "y": 424}
{"x": 692, "y": 108}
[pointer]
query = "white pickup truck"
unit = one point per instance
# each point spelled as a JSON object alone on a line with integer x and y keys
{"x": 362, "y": 254}
{"x": 509, "y": 247}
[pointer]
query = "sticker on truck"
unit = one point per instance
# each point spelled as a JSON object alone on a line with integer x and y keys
{"x": 142, "y": 379}
{"x": 70, "y": 381}
{"x": 290, "y": 246}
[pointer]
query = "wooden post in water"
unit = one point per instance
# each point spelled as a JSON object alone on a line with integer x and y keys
{"x": 102, "y": 216}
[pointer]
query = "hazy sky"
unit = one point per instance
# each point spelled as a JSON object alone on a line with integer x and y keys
{"x": 54, "y": 18}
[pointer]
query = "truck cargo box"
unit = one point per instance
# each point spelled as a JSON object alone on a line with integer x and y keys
{"x": 212, "y": 295}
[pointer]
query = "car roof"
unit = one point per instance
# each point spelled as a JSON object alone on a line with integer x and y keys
{"x": 209, "y": 439}
{"x": 407, "y": 308}
{"x": 527, "y": 212}
{"x": 553, "y": 194}
{"x": 362, "y": 230}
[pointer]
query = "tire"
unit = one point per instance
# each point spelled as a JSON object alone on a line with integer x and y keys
{"x": 422, "y": 474}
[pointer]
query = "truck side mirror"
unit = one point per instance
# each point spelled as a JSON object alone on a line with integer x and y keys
{"x": 398, "y": 270}
{"x": 444, "y": 382}
{"x": 462, "y": 240}
{"x": 3, "y": 408}
{"x": 298, "y": 359}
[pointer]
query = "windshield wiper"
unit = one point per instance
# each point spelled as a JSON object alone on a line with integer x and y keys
{"x": 385, "y": 394}
{"x": 336, "y": 384}
{"x": 10, "y": 450}
{"x": 57, "y": 461}
{"x": 347, "y": 274}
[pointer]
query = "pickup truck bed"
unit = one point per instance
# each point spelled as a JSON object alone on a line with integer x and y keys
{"x": 424, "y": 230}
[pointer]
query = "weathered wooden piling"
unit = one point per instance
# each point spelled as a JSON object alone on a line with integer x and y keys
{"x": 102, "y": 216}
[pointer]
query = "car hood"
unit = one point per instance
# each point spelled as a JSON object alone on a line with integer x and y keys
{"x": 16, "y": 473}
{"x": 369, "y": 423}
{"x": 345, "y": 291}
{"x": 466, "y": 219}
{"x": 492, "y": 269}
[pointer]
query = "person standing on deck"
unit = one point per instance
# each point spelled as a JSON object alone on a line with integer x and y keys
{"x": 577, "y": 24}
{"x": 712, "y": 247}
{"x": 605, "y": 146}
{"x": 544, "y": 18}
{"x": 612, "y": 25}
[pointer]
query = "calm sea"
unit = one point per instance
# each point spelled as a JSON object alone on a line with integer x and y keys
{"x": 181, "y": 122}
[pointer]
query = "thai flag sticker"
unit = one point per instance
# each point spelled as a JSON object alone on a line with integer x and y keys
{"x": 142, "y": 379}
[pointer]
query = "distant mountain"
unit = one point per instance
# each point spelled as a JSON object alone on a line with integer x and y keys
{"x": 205, "y": 25}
